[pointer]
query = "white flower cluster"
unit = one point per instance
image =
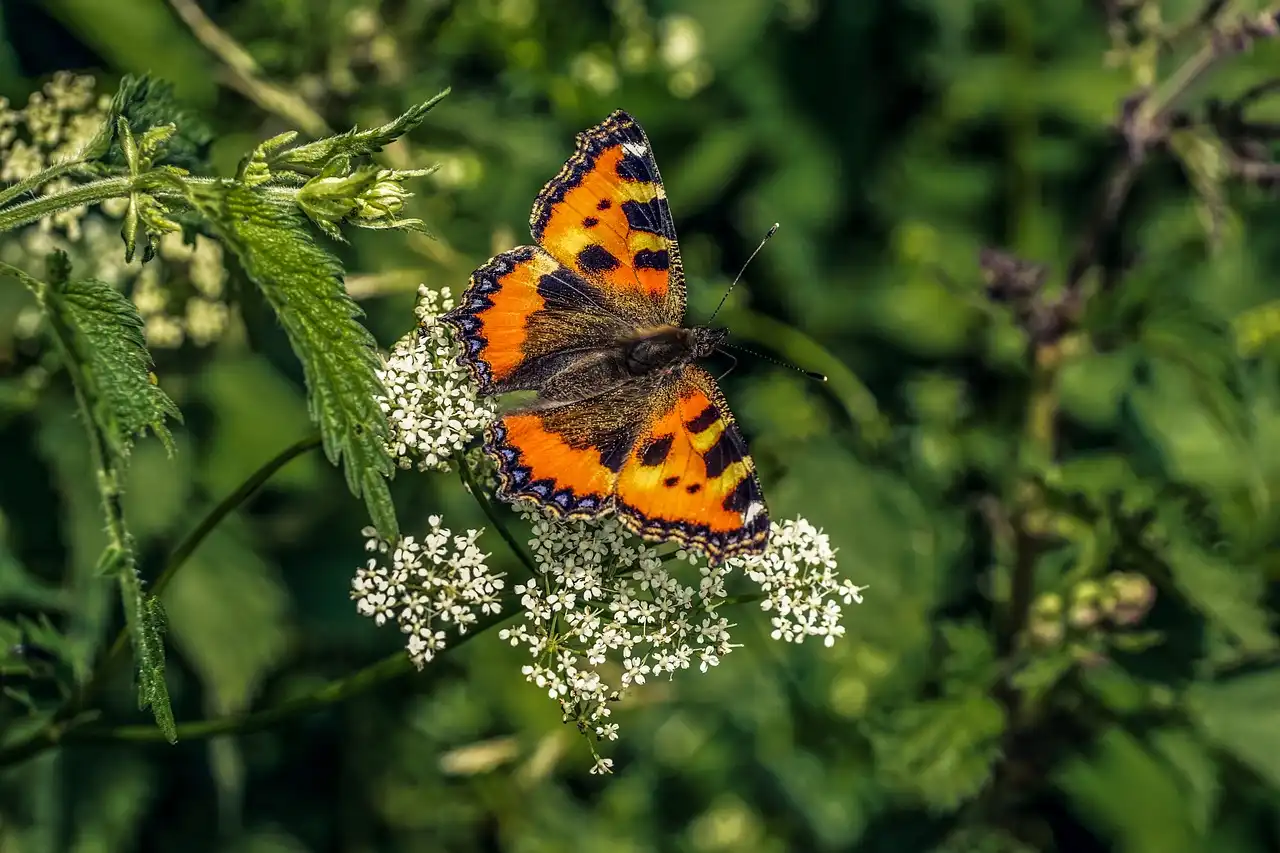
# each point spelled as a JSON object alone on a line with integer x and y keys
{"x": 797, "y": 574}
{"x": 427, "y": 586}
{"x": 600, "y": 594}
{"x": 431, "y": 402}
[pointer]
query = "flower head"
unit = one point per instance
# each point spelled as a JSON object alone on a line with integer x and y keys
{"x": 431, "y": 402}
{"x": 427, "y": 586}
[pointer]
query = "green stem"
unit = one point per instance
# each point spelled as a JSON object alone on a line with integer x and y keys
{"x": 184, "y": 550}
{"x": 93, "y": 192}
{"x": 474, "y": 488}
{"x": 795, "y": 346}
{"x": 37, "y": 181}
{"x": 389, "y": 668}
{"x": 64, "y": 721}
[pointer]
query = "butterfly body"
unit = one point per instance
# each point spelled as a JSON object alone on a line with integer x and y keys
{"x": 591, "y": 321}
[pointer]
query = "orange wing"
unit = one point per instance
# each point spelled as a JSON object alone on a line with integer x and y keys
{"x": 689, "y": 477}
{"x": 522, "y": 314}
{"x": 605, "y": 216}
{"x": 567, "y": 458}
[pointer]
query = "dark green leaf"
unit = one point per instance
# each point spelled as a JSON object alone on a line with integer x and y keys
{"x": 1128, "y": 795}
{"x": 144, "y": 103}
{"x": 314, "y": 156}
{"x": 1230, "y": 596}
{"x": 102, "y": 332}
{"x": 941, "y": 752}
{"x": 303, "y": 283}
{"x": 1239, "y": 717}
{"x": 147, "y": 626}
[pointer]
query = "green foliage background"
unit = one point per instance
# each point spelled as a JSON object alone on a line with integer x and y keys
{"x": 893, "y": 141}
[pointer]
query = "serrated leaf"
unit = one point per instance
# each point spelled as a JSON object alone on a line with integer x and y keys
{"x": 942, "y": 751}
{"x": 1239, "y": 717}
{"x": 102, "y": 333}
{"x": 146, "y": 621}
{"x": 145, "y": 102}
{"x": 314, "y": 156}
{"x": 1124, "y": 792}
{"x": 303, "y": 284}
{"x": 1230, "y": 596}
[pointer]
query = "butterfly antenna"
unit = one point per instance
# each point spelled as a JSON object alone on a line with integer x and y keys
{"x": 812, "y": 374}
{"x": 738, "y": 277}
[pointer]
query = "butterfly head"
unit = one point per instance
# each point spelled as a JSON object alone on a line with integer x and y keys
{"x": 704, "y": 340}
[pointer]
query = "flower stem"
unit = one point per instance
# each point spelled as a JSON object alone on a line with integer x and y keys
{"x": 184, "y": 550}
{"x": 362, "y": 681}
{"x": 64, "y": 722}
{"x": 93, "y": 192}
{"x": 474, "y": 488}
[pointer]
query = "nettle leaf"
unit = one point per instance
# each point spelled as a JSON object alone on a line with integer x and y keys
{"x": 304, "y": 285}
{"x": 1130, "y": 796}
{"x": 970, "y": 661}
{"x": 145, "y": 102}
{"x": 102, "y": 333}
{"x": 1229, "y": 595}
{"x": 314, "y": 156}
{"x": 147, "y": 624}
{"x": 1239, "y": 717}
{"x": 942, "y": 751}
{"x": 99, "y": 334}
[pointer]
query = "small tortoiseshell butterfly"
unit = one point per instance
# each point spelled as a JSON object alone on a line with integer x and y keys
{"x": 591, "y": 320}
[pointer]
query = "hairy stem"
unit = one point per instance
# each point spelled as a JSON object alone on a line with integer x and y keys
{"x": 35, "y": 209}
{"x": 396, "y": 665}
{"x": 179, "y": 557}
{"x": 68, "y": 718}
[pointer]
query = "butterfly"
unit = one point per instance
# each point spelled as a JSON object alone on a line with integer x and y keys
{"x": 590, "y": 320}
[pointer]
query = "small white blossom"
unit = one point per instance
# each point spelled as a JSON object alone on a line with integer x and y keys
{"x": 426, "y": 586}
{"x": 797, "y": 574}
{"x": 431, "y": 402}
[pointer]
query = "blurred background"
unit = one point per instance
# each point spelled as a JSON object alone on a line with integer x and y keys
{"x": 892, "y": 141}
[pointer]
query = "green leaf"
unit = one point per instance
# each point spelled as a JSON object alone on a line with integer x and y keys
{"x": 1230, "y": 596}
{"x": 303, "y": 284}
{"x": 1196, "y": 772}
{"x": 1239, "y": 717}
{"x": 314, "y": 156}
{"x": 1128, "y": 795}
{"x": 941, "y": 751}
{"x": 146, "y": 621}
{"x": 102, "y": 332}
{"x": 970, "y": 662}
{"x": 145, "y": 103}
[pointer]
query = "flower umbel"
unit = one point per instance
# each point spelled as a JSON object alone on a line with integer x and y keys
{"x": 427, "y": 585}
{"x": 431, "y": 402}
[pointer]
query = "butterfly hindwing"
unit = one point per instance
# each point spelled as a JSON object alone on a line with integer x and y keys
{"x": 689, "y": 477}
{"x": 605, "y": 216}
{"x": 567, "y": 458}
